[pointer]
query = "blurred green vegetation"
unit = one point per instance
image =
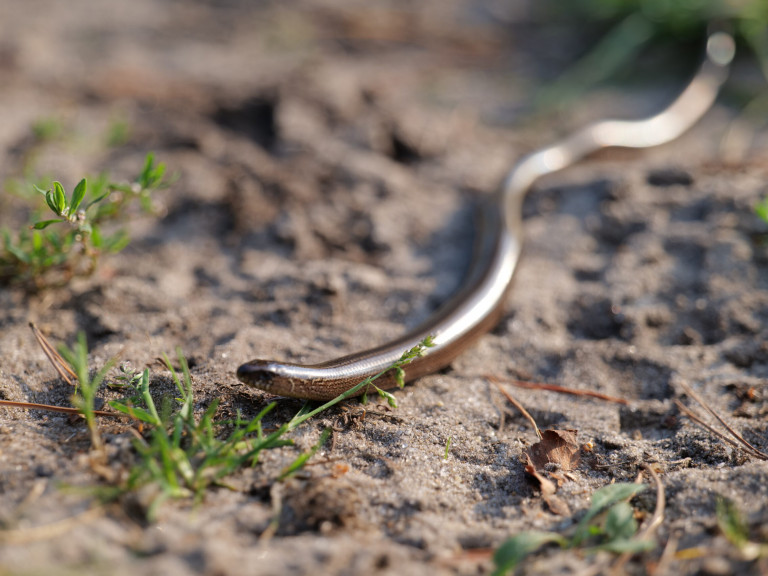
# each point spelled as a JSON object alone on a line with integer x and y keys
{"x": 623, "y": 28}
{"x": 749, "y": 18}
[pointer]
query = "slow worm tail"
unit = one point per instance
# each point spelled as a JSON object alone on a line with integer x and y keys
{"x": 479, "y": 305}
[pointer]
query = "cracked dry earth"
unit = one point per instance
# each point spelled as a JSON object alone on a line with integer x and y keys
{"x": 324, "y": 203}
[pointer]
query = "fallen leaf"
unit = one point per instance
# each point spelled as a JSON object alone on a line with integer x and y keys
{"x": 556, "y": 453}
{"x": 558, "y": 447}
{"x": 556, "y": 504}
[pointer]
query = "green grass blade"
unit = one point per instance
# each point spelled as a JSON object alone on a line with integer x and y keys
{"x": 299, "y": 462}
{"x": 147, "y": 398}
{"x": 612, "y": 52}
{"x": 135, "y": 411}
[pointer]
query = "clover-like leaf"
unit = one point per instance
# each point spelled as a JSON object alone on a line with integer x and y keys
{"x": 601, "y": 499}
{"x": 620, "y": 522}
{"x": 511, "y": 552}
{"x": 60, "y": 198}
{"x": 608, "y": 495}
{"x": 50, "y": 199}
{"x": 77, "y": 195}
{"x": 45, "y": 223}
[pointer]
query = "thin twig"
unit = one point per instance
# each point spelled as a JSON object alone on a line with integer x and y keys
{"x": 59, "y": 364}
{"x": 556, "y": 388}
{"x": 667, "y": 556}
{"x": 276, "y": 494}
{"x": 746, "y": 445}
{"x": 517, "y": 405}
{"x": 51, "y": 408}
{"x": 658, "y": 512}
{"x": 696, "y": 418}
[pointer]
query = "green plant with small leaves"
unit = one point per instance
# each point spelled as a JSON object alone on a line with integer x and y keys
{"x": 615, "y": 531}
{"x": 183, "y": 455}
{"x": 398, "y": 371}
{"x": 50, "y": 251}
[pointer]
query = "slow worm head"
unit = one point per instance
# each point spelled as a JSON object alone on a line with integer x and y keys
{"x": 480, "y": 304}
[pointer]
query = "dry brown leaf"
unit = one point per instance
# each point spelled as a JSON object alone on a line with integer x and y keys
{"x": 556, "y": 504}
{"x": 558, "y": 448}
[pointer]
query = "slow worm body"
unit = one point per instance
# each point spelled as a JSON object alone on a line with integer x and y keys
{"x": 480, "y": 304}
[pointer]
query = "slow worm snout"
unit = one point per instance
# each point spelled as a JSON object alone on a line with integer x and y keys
{"x": 479, "y": 305}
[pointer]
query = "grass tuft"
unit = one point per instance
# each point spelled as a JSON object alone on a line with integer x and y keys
{"x": 182, "y": 455}
{"x": 51, "y": 250}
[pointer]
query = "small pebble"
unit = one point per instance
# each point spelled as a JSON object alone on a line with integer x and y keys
{"x": 43, "y": 471}
{"x": 669, "y": 177}
{"x": 716, "y": 566}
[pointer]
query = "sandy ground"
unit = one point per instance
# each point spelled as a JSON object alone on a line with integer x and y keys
{"x": 330, "y": 157}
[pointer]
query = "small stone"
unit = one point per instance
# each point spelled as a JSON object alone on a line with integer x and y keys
{"x": 669, "y": 177}
{"x": 716, "y": 566}
{"x": 43, "y": 471}
{"x": 689, "y": 336}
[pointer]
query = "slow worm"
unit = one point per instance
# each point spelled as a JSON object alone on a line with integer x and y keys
{"x": 479, "y": 305}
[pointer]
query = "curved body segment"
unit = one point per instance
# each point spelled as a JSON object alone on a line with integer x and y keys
{"x": 480, "y": 304}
